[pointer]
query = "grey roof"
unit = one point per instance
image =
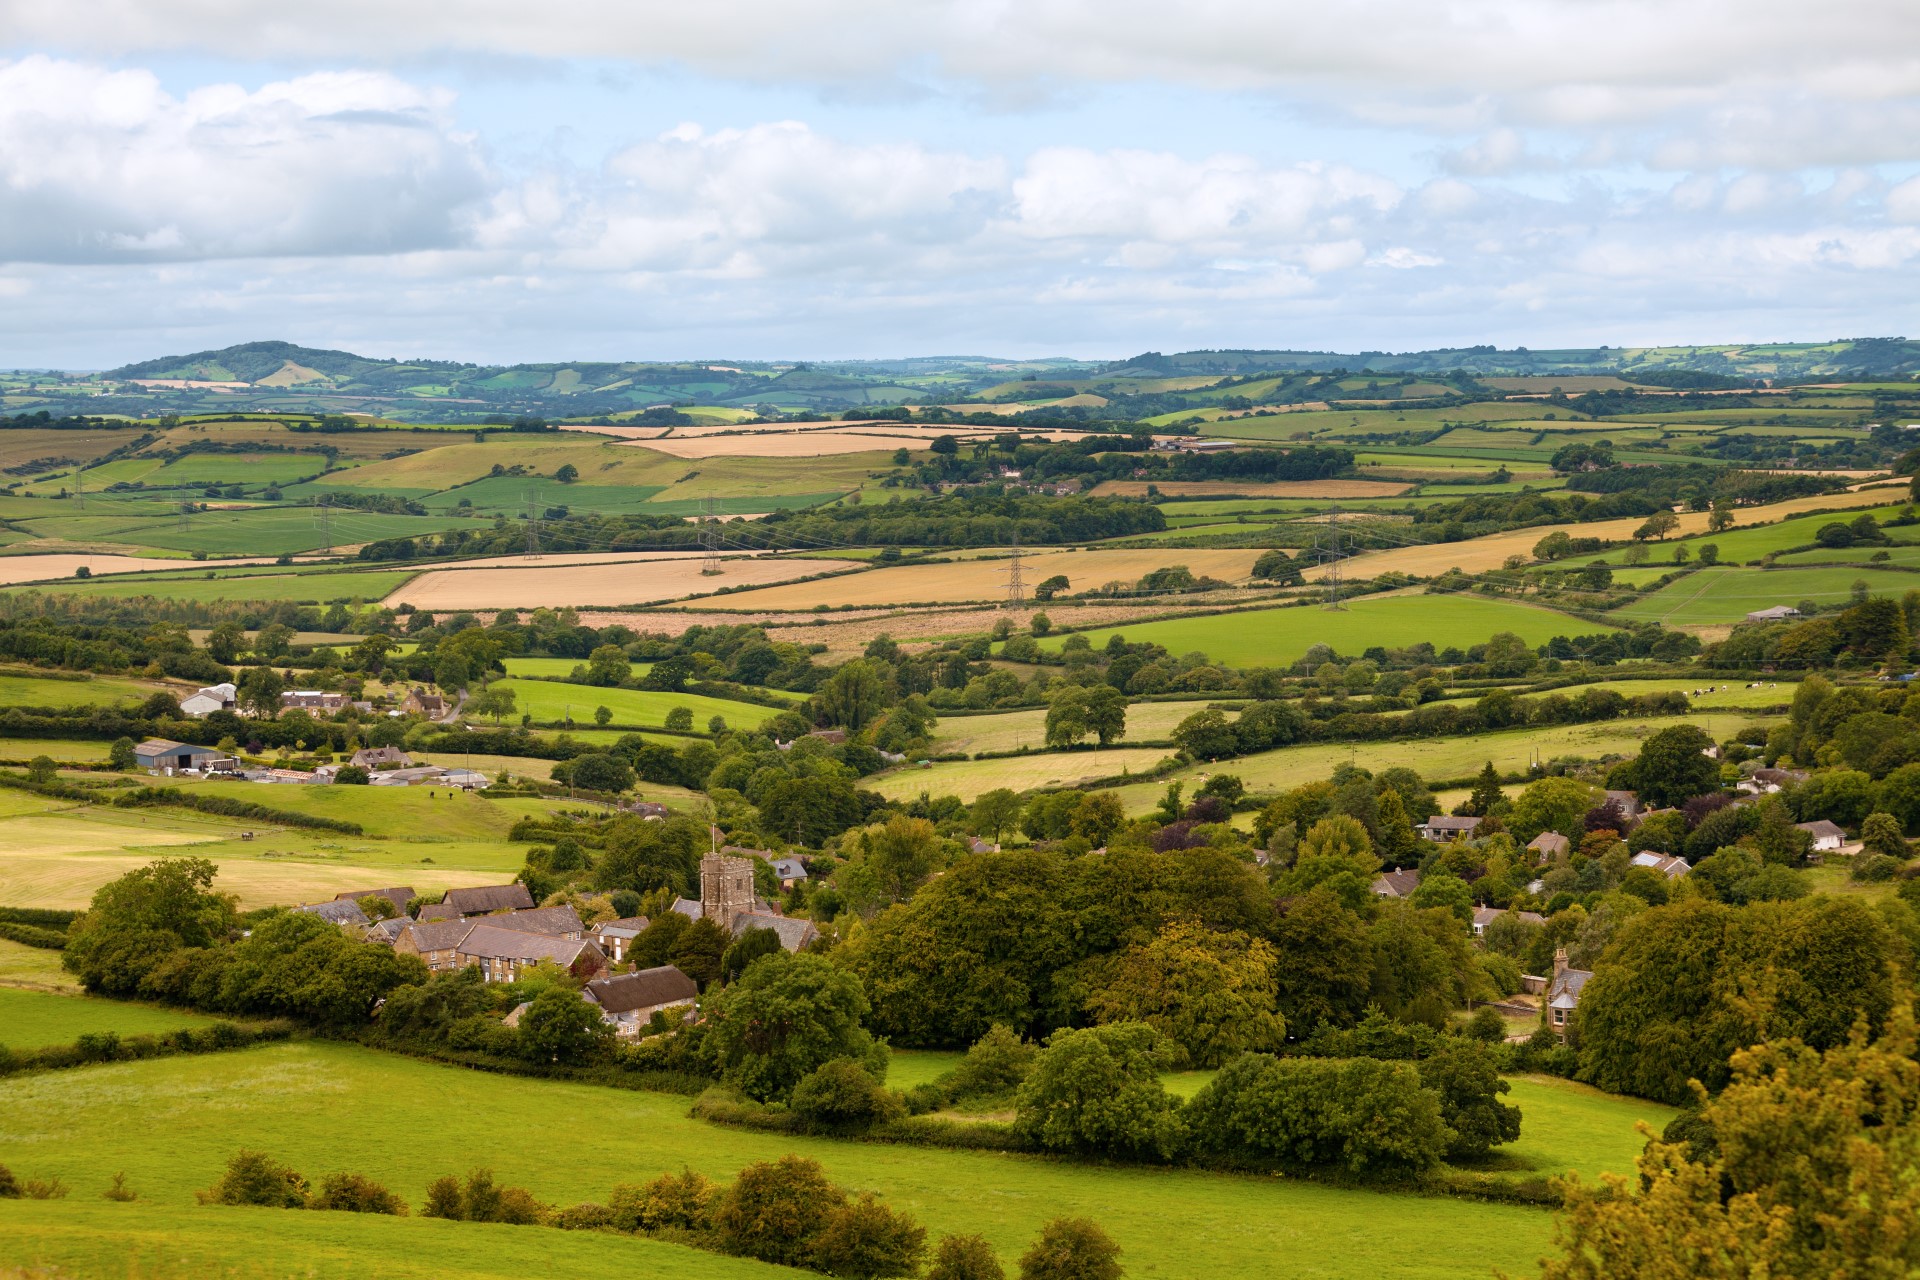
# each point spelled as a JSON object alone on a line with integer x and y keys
{"x": 1450, "y": 822}
{"x": 555, "y": 922}
{"x": 1484, "y": 916}
{"x": 373, "y": 757}
{"x": 485, "y": 941}
{"x": 390, "y": 929}
{"x": 626, "y": 992}
{"x": 1777, "y": 611}
{"x": 399, "y": 895}
{"x": 1671, "y": 868}
{"x": 630, "y": 927}
{"x": 340, "y": 911}
{"x": 1565, "y": 989}
{"x": 688, "y": 907}
{"x": 1550, "y": 842}
{"x": 1820, "y": 828}
{"x": 1396, "y": 884}
{"x": 794, "y": 933}
{"x": 439, "y": 935}
{"x": 789, "y": 869}
{"x": 439, "y": 911}
{"x": 491, "y": 897}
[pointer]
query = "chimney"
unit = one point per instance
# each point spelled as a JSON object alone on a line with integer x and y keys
{"x": 1559, "y": 961}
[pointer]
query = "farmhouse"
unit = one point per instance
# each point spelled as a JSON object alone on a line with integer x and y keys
{"x": 1827, "y": 837}
{"x": 399, "y": 896}
{"x": 1778, "y": 613}
{"x": 504, "y": 954}
{"x": 1671, "y": 868}
{"x": 435, "y": 942}
{"x": 493, "y": 897}
{"x": 215, "y": 697}
{"x": 1770, "y": 781}
{"x": 1396, "y": 884}
{"x": 1548, "y": 845}
{"x": 381, "y": 758}
{"x": 615, "y": 937}
{"x": 162, "y": 755}
{"x": 419, "y": 702}
{"x": 1447, "y": 827}
{"x": 628, "y": 1001}
{"x": 1563, "y": 991}
{"x": 312, "y": 700}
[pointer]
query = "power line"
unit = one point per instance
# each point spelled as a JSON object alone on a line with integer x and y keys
{"x": 326, "y": 522}
{"x": 533, "y": 527}
{"x": 709, "y": 536}
{"x": 1333, "y": 558}
{"x": 1016, "y": 583}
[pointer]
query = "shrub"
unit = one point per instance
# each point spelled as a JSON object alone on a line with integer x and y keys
{"x": 775, "y": 1208}
{"x": 355, "y": 1193}
{"x": 1874, "y": 868}
{"x": 1359, "y": 1114}
{"x": 583, "y": 1217}
{"x": 443, "y": 1199}
{"x": 683, "y": 1201}
{"x": 1071, "y": 1249}
{"x": 1099, "y": 1090}
{"x": 1486, "y": 1025}
{"x": 255, "y": 1178}
{"x": 997, "y": 1063}
{"x": 118, "y": 1190}
{"x": 482, "y": 1201}
{"x": 1469, "y": 1086}
{"x": 45, "y": 1189}
{"x": 965, "y": 1258}
{"x": 841, "y": 1096}
{"x": 9, "y": 1187}
{"x": 865, "y": 1240}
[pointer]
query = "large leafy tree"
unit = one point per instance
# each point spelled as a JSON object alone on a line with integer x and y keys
{"x": 1802, "y": 1166}
{"x": 1099, "y": 1090}
{"x": 135, "y": 922}
{"x": 1673, "y": 767}
{"x": 1210, "y": 993}
{"x": 785, "y": 1016}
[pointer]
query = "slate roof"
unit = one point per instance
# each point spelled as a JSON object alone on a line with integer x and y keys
{"x": 1484, "y": 916}
{"x": 630, "y": 927}
{"x": 1564, "y": 991}
{"x": 439, "y": 911}
{"x": 399, "y": 896}
{"x": 1671, "y": 868}
{"x": 491, "y": 897}
{"x": 627, "y": 992}
{"x": 1396, "y": 884}
{"x": 439, "y": 935}
{"x": 794, "y": 933}
{"x": 688, "y": 907}
{"x": 555, "y": 922}
{"x": 485, "y": 941}
{"x": 1450, "y": 822}
{"x": 789, "y": 869}
{"x": 1821, "y": 829}
{"x": 341, "y": 911}
{"x": 375, "y": 757}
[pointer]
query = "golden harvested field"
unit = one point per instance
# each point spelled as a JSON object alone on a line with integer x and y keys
{"x": 46, "y": 568}
{"x": 557, "y": 559}
{"x": 783, "y": 444}
{"x": 1491, "y": 552}
{"x": 970, "y": 778}
{"x": 602, "y": 585}
{"x": 987, "y": 579}
{"x": 1253, "y": 489}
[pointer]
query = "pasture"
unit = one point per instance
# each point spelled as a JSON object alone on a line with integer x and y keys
{"x": 18, "y": 690}
{"x": 1723, "y": 595}
{"x": 33, "y": 968}
{"x": 1277, "y": 637}
{"x": 288, "y": 1099}
{"x": 548, "y": 702}
{"x": 970, "y": 778}
{"x": 1012, "y": 730}
{"x": 34, "y": 1019}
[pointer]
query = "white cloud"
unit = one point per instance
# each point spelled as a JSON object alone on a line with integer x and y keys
{"x": 99, "y": 165}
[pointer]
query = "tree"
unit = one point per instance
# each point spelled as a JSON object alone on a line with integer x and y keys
{"x": 42, "y": 769}
{"x": 1106, "y": 713}
{"x": 496, "y": 700}
{"x": 1554, "y": 546}
{"x": 901, "y": 853}
{"x": 994, "y": 811}
{"x": 1450, "y": 893}
{"x": 1881, "y": 834}
{"x": 225, "y": 641}
{"x": 1486, "y": 792}
{"x": 1206, "y": 735}
{"x": 1467, "y": 1080}
{"x": 775, "y": 1208}
{"x": 1673, "y": 767}
{"x": 1658, "y": 525}
{"x": 679, "y": 720}
{"x": 840, "y": 1096}
{"x": 1071, "y": 1249}
{"x": 864, "y": 1240}
{"x": 854, "y": 695}
{"x": 121, "y": 755}
{"x": 1066, "y": 716}
{"x": 567, "y": 473}
{"x": 136, "y": 921}
{"x": 1722, "y": 518}
{"x": 352, "y": 775}
{"x": 260, "y": 690}
{"x": 965, "y": 1258}
{"x": 1209, "y": 992}
{"x": 1553, "y": 804}
{"x": 255, "y": 1178}
{"x": 601, "y": 771}
{"x": 607, "y": 666}
{"x": 785, "y": 1016}
{"x": 602, "y": 716}
{"x": 1710, "y": 553}
{"x": 1051, "y": 587}
{"x": 1362, "y": 1115}
{"x": 1098, "y": 1090}
{"x": 996, "y": 1064}
{"x": 1801, "y": 1166}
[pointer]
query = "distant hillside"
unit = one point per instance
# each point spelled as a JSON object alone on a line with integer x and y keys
{"x": 1853, "y": 358}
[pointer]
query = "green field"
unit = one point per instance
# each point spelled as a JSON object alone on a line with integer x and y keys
{"x": 100, "y": 691}
{"x": 1724, "y": 595}
{"x": 261, "y": 584}
{"x": 1738, "y": 546}
{"x": 1011, "y": 730}
{"x": 969, "y": 778}
{"x": 33, "y": 968}
{"x": 1276, "y": 637}
{"x": 32, "y": 1019}
{"x": 291, "y": 1100}
{"x": 258, "y": 531}
{"x": 556, "y": 668}
{"x": 548, "y": 701}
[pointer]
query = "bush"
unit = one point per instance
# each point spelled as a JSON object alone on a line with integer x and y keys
{"x": 840, "y": 1096}
{"x": 9, "y": 1186}
{"x": 1467, "y": 1081}
{"x": 583, "y": 1217}
{"x": 255, "y": 1178}
{"x": 965, "y": 1258}
{"x": 998, "y": 1063}
{"x": 1874, "y": 868}
{"x": 355, "y": 1193}
{"x": 1098, "y": 1090}
{"x": 775, "y": 1208}
{"x": 443, "y": 1199}
{"x": 481, "y": 1201}
{"x": 670, "y": 1202}
{"x": 1357, "y": 1114}
{"x": 119, "y": 1191}
{"x": 1486, "y": 1025}
{"x": 865, "y": 1240}
{"x": 45, "y": 1189}
{"x": 352, "y": 775}
{"x": 1071, "y": 1249}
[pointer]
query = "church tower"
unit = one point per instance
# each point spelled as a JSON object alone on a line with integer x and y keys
{"x": 726, "y": 888}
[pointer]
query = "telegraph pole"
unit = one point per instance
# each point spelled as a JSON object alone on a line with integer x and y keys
{"x": 1333, "y": 559}
{"x": 1016, "y": 582}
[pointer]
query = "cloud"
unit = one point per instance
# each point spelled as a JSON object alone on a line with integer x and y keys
{"x": 99, "y": 165}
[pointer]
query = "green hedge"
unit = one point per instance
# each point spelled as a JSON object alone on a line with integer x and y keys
{"x": 33, "y": 936}
{"x": 228, "y": 807}
{"x": 107, "y": 1046}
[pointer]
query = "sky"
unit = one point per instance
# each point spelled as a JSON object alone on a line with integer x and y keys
{"x": 818, "y": 179}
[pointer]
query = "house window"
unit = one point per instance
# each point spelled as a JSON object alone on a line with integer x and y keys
{"x": 1559, "y": 1017}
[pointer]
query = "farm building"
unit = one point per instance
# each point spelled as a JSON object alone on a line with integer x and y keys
{"x": 162, "y": 755}
{"x": 204, "y": 702}
{"x": 1778, "y": 613}
{"x": 481, "y": 899}
{"x": 312, "y": 700}
{"x": 628, "y": 1001}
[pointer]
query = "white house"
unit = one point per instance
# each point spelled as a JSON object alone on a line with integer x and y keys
{"x": 204, "y": 702}
{"x": 1827, "y": 837}
{"x": 1671, "y": 868}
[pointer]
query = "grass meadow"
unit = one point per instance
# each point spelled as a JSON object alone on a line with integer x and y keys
{"x": 547, "y": 701}
{"x": 1722, "y": 595}
{"x": 1276, "y": 637}
{"x": 291, "y": 1100}
{"x": 99, "y": 691}
{"x": 34, "y": 1019}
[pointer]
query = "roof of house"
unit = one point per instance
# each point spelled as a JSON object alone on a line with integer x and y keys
{"x": 390, "y": 929}
{"x": 623, "y": 993}
{"x": 1779, "y": 775}
{"x": 630, "y": 927}
{"x": 1396, "y": 884}
{"x": 789, "y": 869}
{"x": 490, "y": 897}
{"x": 1550, "y": 842}
{"x": 555, "y": 922}
{"x": 1484, "y": 916}
{"x": 437, "y": 935}
{"x": 688, "y": 907}
{"x": 794, "y": 933}
{"x": 1821, "y": 829}
{"x": 1564, "y": 991}
{"x": 399, "y": 896}
{"x": 1628, "y": 800}
{"x": 439, "y": 911}
{"x": 1671, "y": 868}
{"x": 486, "y": 941}
{"x": 367, "y": 757}
{"x": 1450, "y": 822}
{"x": 339, "y": 911}
{"x": 1777, "y": 611}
